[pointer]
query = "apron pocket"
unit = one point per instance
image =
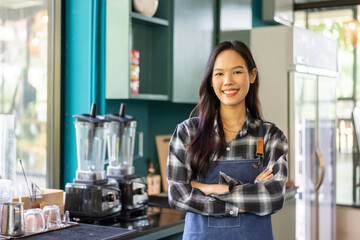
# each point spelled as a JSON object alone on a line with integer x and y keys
{"x": 224, "y": 222}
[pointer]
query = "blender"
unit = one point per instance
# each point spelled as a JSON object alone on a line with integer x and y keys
{"x": 121, "y": 143}
{"x": 91, "y": 196}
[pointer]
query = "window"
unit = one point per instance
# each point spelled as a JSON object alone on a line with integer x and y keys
{"x": 28, "y": 76}
{"x": 339, "y": 24}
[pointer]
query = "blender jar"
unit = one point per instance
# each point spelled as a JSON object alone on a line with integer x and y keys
{"x": 121, "y": 143}
{"x": 91, "y": 133}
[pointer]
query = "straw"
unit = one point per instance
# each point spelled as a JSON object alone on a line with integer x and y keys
{"x": 27, "y": 184}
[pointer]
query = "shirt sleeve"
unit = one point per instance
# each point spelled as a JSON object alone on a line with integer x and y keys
{"x": 264, "y": 197}
{"x": 182, "y": 196}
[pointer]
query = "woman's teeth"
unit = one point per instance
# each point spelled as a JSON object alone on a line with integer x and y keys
{"x": 230, "y": 91}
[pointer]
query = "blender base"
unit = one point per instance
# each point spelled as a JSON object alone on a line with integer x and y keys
{"x": 133, "y": 192}
{"x": 92, "y": 201}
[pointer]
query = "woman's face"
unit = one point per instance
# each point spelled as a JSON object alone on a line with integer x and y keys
{"x": 231, "y": 78}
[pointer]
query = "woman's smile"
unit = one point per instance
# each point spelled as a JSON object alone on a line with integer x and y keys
{"x": 230, "y": 92}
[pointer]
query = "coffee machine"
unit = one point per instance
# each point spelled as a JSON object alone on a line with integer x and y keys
{"x": 121, "y": 144}
{"x": 91, "y": 196}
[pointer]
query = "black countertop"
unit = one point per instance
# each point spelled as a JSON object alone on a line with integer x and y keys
{"x": 159, "y": 222}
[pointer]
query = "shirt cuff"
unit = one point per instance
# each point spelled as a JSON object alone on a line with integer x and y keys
{"x": 226, "y": 179}
{"x": 231, "y": 210}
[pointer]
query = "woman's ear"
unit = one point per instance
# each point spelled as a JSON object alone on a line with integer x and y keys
{"x": 253, "y": 74}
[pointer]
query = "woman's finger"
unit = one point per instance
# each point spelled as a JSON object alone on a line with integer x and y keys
{"x": 264, "y": 174}
{"x": 268, "y": 177}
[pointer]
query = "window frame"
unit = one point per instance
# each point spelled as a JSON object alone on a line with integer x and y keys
{"x": 54, "y": 95}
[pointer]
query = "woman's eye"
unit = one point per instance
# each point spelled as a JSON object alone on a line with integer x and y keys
{"x": 218, "y": 74}
{"x": 237, "y": 72}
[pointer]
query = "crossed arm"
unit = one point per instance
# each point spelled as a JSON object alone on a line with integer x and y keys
{"x": 220, "y": 188}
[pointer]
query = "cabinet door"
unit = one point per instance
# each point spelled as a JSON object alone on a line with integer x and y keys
{"x": 302, "y": 145}
{"x": 327, "y": 147}
{"x": 193, "y": 40}
{"x": 117, "y": 49}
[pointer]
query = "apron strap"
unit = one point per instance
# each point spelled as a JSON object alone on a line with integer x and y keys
{"x": 259, "y": 145}
{"x": 260, "y": 141}
{"x": 261, "y": 129}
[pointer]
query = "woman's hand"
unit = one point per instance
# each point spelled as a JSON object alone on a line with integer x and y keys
{"x": 209, "y": 188}
{"x": 265, "y": 175}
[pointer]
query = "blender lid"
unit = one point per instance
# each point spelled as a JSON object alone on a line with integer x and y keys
{"x": 92, "y": 117}
{"x": 121, "y": 116}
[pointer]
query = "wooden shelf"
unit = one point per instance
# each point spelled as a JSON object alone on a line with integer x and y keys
{"x": 149, "y": 20}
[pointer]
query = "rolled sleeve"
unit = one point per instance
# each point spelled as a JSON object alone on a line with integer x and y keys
{"x": 182, "y": 196}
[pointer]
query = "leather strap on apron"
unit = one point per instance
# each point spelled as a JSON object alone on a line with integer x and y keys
{"x": 259, "y": 146}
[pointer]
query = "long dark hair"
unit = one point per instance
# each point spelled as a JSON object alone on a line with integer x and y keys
{"x": 204, "y": 147}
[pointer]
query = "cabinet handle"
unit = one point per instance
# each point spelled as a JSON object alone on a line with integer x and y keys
{"x": 322, "y": 165}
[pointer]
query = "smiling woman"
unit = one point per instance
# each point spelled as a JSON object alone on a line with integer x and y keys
{"x": 227, "y": 167}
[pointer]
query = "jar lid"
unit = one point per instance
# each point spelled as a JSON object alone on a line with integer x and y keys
{"x": 121, "y": 116}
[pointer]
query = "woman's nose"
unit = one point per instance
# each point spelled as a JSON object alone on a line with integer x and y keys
{"x": 228, "y": 79}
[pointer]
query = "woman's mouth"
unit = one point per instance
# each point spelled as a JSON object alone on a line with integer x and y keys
{"x": 230, "y": 92}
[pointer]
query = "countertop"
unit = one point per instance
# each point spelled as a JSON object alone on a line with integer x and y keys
{"x": 158, "y": 223}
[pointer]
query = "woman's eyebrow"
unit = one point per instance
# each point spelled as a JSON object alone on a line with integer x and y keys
{"x": 219, "y": 69}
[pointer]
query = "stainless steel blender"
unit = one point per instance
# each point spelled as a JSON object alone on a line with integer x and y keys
{"x": 121, "y": 144}
{"x": 91, "y": 195}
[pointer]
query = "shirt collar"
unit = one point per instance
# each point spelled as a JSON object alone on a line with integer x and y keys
{"x": 244, "y": 130}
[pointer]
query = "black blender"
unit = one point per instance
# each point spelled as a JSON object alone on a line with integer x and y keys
{"x": 91, "y": 196}
{"x": 121, "y": 143}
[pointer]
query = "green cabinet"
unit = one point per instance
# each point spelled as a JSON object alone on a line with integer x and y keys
{"x": 174, "y": 46}
{"x": 194, "y": 39}
{"x": 151, "y": 36}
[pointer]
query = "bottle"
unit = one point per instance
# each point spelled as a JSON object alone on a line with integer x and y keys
{"x": 7, "y": 147}
{"x": 10, "y": 155}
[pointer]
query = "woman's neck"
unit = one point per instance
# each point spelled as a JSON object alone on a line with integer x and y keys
{"x": 233, "y": 118}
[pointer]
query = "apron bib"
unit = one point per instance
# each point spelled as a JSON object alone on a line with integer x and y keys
{"x": 246, "y": 226}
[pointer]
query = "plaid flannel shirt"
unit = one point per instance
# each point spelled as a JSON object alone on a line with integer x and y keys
{"x": 261, "y": 198}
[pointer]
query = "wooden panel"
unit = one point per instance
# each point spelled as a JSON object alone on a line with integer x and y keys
{"x": 162, "y": 146}
{"x": 50, "y": 196}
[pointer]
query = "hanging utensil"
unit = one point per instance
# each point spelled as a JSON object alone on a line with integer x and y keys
{"x": 23, "y": 170}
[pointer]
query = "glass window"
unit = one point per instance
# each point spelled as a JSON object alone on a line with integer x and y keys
{"x": 332, "y": 24}
{"x": 339, "y": 24}
{"x": 24, "y": 82}
{"x": 300, "y": 19}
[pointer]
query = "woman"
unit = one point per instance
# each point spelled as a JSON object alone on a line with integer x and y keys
{"x": 227, "y": 167}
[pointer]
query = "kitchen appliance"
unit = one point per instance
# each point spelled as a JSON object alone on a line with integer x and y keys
{"x": 12, "y": 219}
{"x": 298, "y": 71}
{"x": 121, "y": 144}
{"x": 91, "y": 196}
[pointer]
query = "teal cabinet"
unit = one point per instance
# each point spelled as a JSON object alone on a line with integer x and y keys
{"x": 235, "y": 20}
{"x": 151, "y": 37}
{"x": 174, "y": 46}
{"x": 194, "y": 39}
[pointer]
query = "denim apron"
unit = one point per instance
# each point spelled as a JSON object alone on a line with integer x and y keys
{"x": 245, "y": 226}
